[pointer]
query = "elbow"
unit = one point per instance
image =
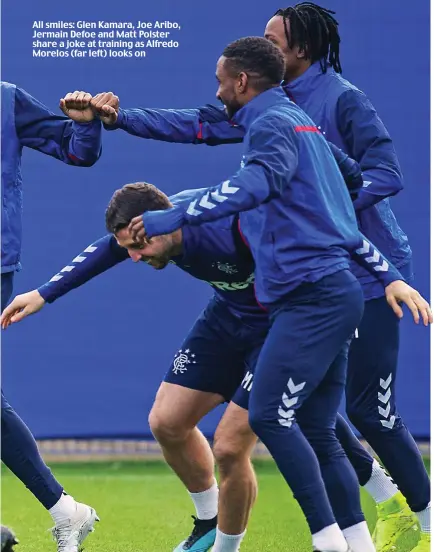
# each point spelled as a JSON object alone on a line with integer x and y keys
{"x": 395, "y": 186}
{"x": 89, "y": 160}
{"x": 398, "y": 184}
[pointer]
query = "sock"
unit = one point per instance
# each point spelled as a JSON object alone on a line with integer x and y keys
{"x": 63, "y": 510}
{"x": 227, "y": 543}
{"x": 359, "y": 538}
{"x": 330, "y": 539}
{"x": 424, "y": 519}
{"x": 206, "y": 502}
{"x": 380, "y": 486}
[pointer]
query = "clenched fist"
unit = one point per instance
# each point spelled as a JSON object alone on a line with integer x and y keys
{"x": 76, "y": 106}
{"x": 106, "y": 106}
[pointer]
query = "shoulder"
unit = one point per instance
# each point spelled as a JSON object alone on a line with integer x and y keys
{"x": 277, "y": 121}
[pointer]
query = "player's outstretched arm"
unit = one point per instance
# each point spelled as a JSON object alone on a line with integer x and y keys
{"x": 204, "y": 125}
{"x": 269, "y": 164}
{"x": 75, "y": 139}
{"x": 94, "y": 260}
{"x": 397, "y": 290}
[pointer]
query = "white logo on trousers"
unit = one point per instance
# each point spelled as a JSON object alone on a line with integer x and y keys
{"x": 287, "y": 415}
{"x": 384, "y": 399}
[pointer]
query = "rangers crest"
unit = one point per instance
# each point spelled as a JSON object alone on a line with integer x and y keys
{"x": 226, "y": 267}
{"x": 182, "y": 360}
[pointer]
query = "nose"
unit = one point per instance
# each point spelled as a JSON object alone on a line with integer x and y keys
{"x": 135, "y": 255}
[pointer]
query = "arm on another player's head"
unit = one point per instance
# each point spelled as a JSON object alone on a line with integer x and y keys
{"x": 369, "y": 143}
{"x": 396, "y": 288}
{"x": 205, "y": 125}
{"x": 269, "y": 164}
{"x": 75, "y": 140}
{"x": 94, "y": 260}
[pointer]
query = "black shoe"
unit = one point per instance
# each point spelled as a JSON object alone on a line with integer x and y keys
{"x": 202, "y": 537}
{"x": 8, "y": 539}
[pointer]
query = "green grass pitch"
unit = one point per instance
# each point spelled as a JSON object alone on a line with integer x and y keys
{"x": 144, "y": 508}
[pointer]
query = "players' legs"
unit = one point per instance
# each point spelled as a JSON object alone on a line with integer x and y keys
{"x": 20, "y": 454}
{"x": 317, "y": 419}
{"x": 205, "y": 372}
{"x": 370, "y": 474}
{"x": 372, "y": 409}
{"x": 173, "y": 419}
{"x": 359, "y": 457}
{"x": 308, "y": 332}
{"x": 233, "y": 444}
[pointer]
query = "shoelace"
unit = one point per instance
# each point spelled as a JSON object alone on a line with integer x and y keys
{"x": 61, "y": 536}
{"x": 196, "y": 530}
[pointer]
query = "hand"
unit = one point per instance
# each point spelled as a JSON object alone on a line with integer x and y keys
{"x": 400, "y": 292}
{"x": 76, "y": 106}
{"x": 21, "y": 306}
{"x": 136, "y": 228}
{"x": 106, "y": 106}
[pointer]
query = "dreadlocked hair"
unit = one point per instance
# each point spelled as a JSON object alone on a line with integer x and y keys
{"x": 315, "y": 31}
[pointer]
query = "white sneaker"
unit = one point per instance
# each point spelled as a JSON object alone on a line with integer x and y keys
{"x": 71, "y": 534}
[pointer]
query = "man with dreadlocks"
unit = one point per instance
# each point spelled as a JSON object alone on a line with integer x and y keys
{"x": 309, "y": 39}
{"x": 308, "y": 36}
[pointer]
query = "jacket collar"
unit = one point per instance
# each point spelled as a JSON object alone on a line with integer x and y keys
{"x": 251, "y": 111}
{"x": 307, "y": 83}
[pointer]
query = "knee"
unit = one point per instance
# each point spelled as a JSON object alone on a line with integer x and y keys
{"x": 262, "y": 421}
{"x": 256, "y": 421}
{"x": 229, "y": 454}
{"x": 324, "y": 443}
{"x": 166, "y": 428}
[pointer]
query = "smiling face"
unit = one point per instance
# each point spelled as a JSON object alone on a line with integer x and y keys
{"x": 156, "y": 252}
{"x": 295, "y": 59}
{"x": 232, "y": 88}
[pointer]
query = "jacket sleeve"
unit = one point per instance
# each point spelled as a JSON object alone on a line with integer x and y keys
{"x": 55, "y": 135}
{"x": 269, "y": 165}
{"x": 205, "y": 125}
{"x": 94, "y": 260}
{"x": 369, "y": 143}
{"x": 350, "y": 170}
{"x": 371, "y": 259}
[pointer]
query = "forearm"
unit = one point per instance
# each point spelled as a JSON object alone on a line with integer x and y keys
{"x": 206, "y": 125}
{"x": 55, "y": 135}
{"x": 378, "y": 184}
{"x": 370, "y": 258}
{"x": 84, "y": 146}
{"x": 94, "y": 260}
{"x": 367, "y": 141}
{"x": 350, "y": 170}
{"x": 245, "y": 191}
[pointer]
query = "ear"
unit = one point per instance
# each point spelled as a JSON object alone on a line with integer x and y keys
{"x": 242, "y": 83}
{"x": 301, "y": 53}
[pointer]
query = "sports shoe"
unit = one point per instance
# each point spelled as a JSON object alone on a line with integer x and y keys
{"x": 202, "y": 537}
{"x": 424, "y": 545}
{"x": 394, "y": 518}
{"x": 71, "y": 534}
{"x": 8, "y": 539}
